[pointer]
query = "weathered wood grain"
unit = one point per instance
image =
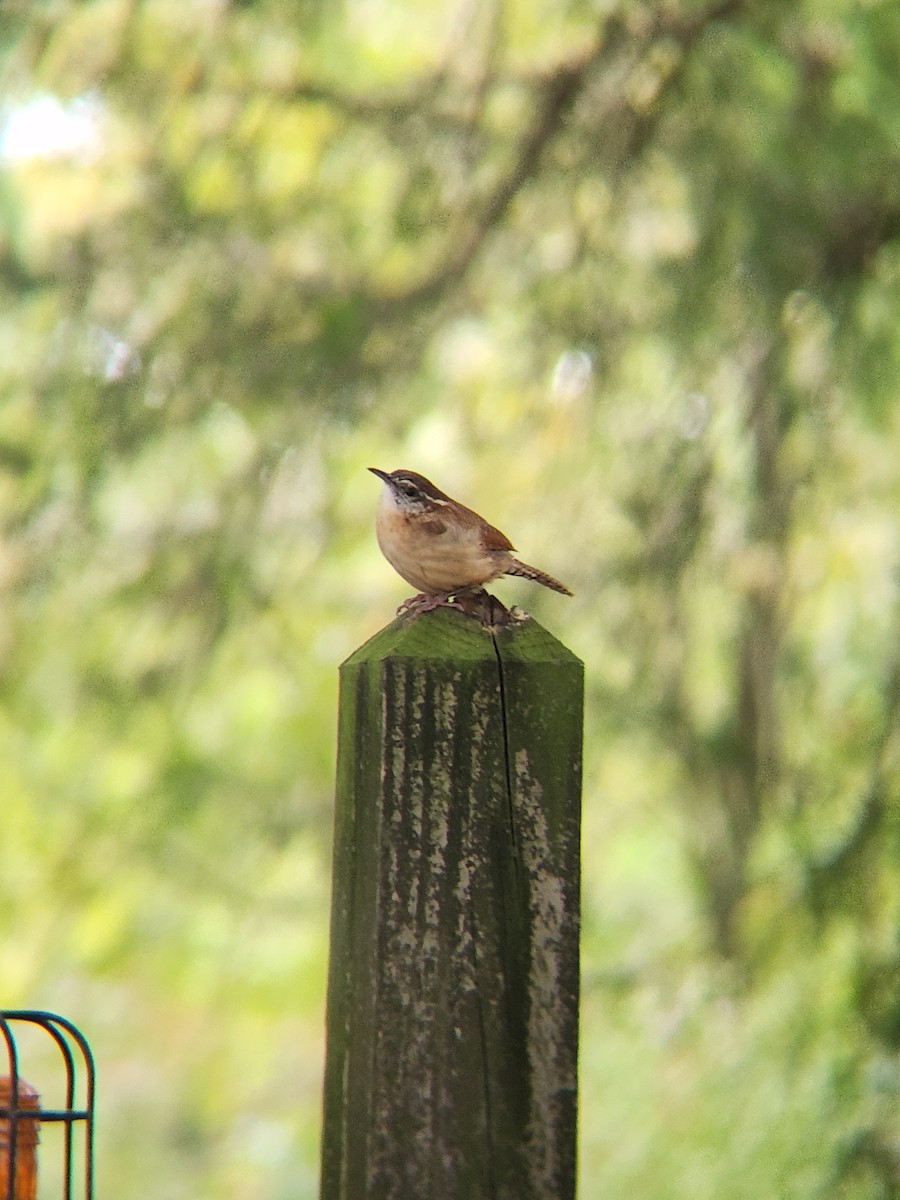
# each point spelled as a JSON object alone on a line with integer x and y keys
{"x": 453, "y": 979}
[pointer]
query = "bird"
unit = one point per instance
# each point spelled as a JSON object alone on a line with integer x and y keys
{"x": 440, "y": 546}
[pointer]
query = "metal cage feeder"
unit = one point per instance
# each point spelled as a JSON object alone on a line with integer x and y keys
{"x": 21, "y": 1114}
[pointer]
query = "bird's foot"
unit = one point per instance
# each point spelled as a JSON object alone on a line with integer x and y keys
{"x": 472, "y": 602}
{"x": 426, "y": 602}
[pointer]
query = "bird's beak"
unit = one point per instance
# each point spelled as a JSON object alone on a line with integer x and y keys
{"x": 381, "y": 474}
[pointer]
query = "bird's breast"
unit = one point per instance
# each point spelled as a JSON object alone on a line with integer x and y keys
{"x": 432, "y": 551}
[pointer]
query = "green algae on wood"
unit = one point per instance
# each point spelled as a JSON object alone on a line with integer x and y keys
{"x": 452, "y": 1021}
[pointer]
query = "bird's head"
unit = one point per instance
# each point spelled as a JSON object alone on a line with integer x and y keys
{"x": 411, "y": 492}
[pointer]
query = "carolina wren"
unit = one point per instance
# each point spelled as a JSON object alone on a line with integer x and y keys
{"x": 440, "y": 546}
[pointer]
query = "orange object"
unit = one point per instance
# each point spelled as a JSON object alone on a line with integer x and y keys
{"x": 25, "y": 1181}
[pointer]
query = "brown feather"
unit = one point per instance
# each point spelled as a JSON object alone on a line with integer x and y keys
{"x": 493, "y": 539}
{"x": 514, "y": 567}
{"x": 424, "y": 485}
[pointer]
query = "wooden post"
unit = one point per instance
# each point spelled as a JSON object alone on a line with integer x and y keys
{"x": 452, "y": 1024}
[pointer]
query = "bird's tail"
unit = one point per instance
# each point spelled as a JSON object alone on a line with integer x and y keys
{"x": 519, "y": 568}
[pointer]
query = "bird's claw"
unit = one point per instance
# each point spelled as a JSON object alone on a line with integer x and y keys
{"x": 426, "y": 602}
{"x": 472, "y": 602}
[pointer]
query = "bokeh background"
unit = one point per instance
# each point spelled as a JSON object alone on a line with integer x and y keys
{"x": 623, "y": 275}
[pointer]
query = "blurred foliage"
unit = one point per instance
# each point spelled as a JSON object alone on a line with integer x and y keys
{"x": 625, "y": 275}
